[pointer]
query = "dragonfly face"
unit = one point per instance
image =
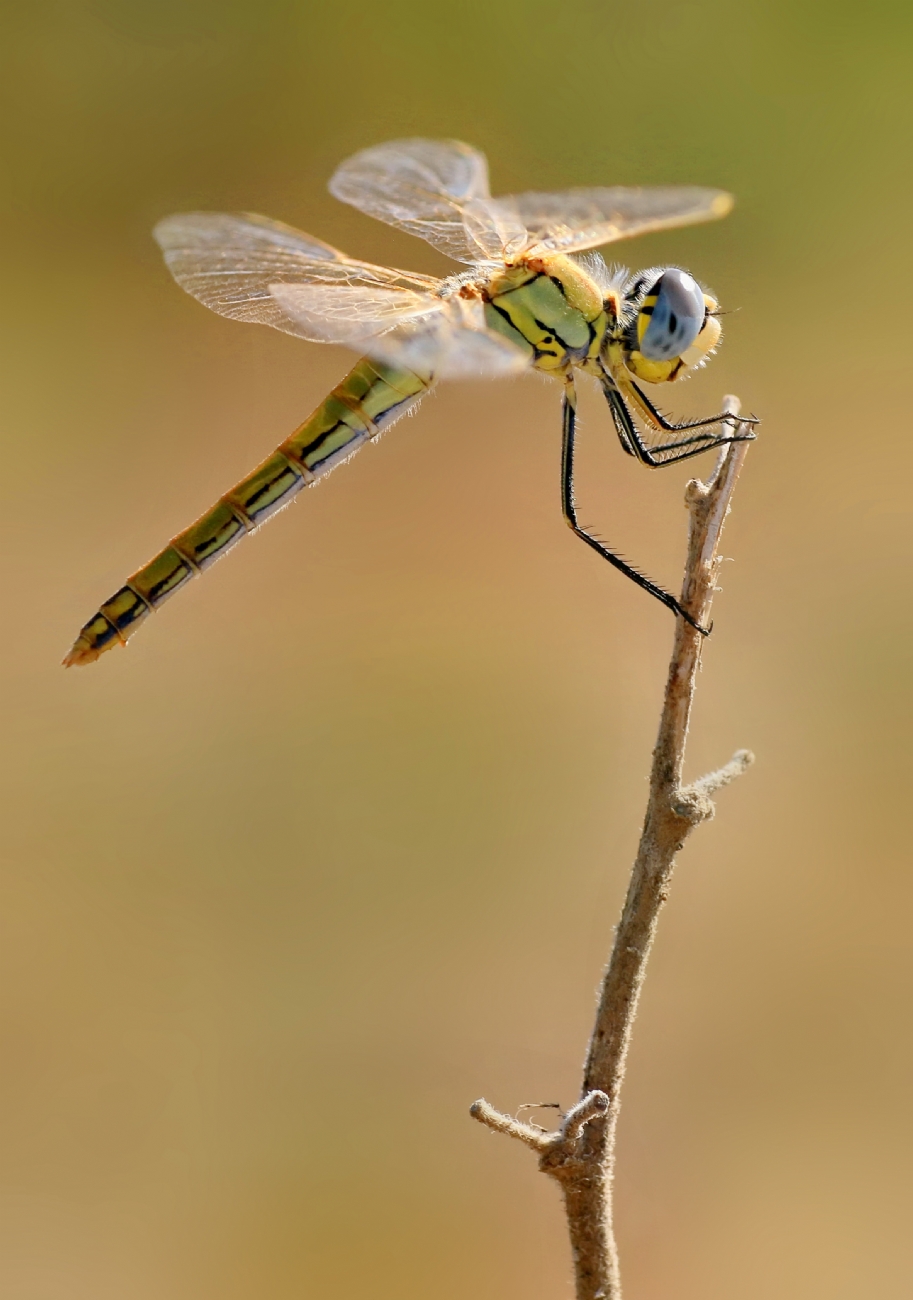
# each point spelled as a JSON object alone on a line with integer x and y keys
{"x": 671, "y": 316}
{"x": 525, "y": 301}
{"x": 672, "y": 326}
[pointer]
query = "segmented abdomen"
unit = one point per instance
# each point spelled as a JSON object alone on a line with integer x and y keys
{"x": 370, "y": 398}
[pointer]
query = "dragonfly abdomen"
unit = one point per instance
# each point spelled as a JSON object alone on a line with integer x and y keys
{"x": 370, "y": 398}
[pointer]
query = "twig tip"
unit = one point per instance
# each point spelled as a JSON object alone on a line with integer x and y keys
{"x": 486, "y": 1114}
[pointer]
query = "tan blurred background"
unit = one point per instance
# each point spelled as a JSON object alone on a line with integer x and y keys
{"x": 339, "y": 843}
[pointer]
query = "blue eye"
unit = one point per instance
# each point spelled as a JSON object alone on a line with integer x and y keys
{"x": 672, "y": 316}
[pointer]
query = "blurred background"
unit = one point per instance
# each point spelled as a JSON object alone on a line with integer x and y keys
{"x": 337, "y": 846}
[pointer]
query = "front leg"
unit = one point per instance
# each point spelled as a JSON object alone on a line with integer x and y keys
{"x": 569, "y": 507}
{"x": 654, "y": 416}
{"x": 657, "y": 456}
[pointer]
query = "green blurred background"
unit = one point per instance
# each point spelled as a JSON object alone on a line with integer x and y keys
{"x": 338, "y": 845}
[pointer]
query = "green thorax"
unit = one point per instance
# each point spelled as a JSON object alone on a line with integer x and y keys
{"x": 551, "y": 308}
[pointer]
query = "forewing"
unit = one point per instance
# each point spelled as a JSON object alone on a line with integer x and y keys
{"x": 436, "y": 189}
{"x": 573, "y": 220}
{"x": 231, "y": 262}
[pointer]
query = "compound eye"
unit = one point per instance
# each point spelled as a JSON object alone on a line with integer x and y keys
{"x": 671, "y": 317}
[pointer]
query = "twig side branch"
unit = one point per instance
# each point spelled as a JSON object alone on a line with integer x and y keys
{"x": 581, "y": 1154}
{"x": 557, "y": 1146}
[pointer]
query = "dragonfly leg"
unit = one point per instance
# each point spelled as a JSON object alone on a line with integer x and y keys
{"x": 569, "y": 507}
{"x": 656, "y": 417}
{"x": 682, "y": 448}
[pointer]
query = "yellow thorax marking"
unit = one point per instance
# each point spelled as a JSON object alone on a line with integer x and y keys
{"x": 580, "y": 289}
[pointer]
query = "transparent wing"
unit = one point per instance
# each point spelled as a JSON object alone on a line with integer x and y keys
{"x": 436, "y": 189}
{"x": 350, "y": 313}
{"x": 453, "y": 344}
{"x": 230, "y": 263}
{"x": 573, "y": 220}
{"x": 443, "y": 337}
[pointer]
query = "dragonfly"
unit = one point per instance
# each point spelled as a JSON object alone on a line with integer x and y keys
{"x": 532, "y": 295}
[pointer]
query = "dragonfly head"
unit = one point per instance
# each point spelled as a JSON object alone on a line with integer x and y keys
{"x": 672, "y": 328}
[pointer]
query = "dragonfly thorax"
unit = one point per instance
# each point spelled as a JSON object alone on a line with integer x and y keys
{"x": 551, "y": 308}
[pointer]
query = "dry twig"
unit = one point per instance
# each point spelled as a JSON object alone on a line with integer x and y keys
{"x": 581, "y": 1154}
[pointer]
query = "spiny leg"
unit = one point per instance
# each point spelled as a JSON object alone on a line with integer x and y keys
{"x": 633, "y": 442}
{"x": 569, "y": 507}
{"x": 656, "y": 457}
{"x": 655, "y": 416}
{"x": 621, "y": 418}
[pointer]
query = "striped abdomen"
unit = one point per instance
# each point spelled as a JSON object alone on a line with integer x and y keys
{"x": 367, "y": 401}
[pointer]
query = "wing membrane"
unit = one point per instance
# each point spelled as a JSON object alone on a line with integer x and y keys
{"x": 436, "y": 189}
{"x": 347, "y": 313}
{"x": 231, "y": 262}
{"x": 573, "y": 220}
{"x": 447, "y": 348}
{"x": 443, "y": 337}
